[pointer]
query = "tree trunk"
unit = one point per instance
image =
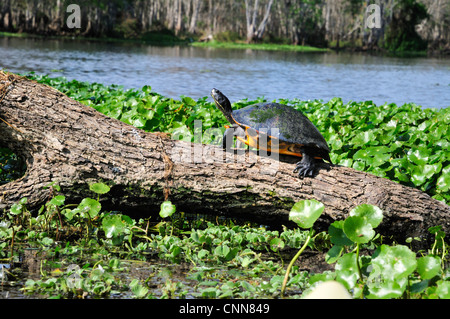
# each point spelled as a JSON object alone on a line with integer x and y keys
{"x": 73, "y": 145}
{"x": 251, "y": 13}
{"x": 262, "y": 26}
{"x": 249, "y": 18}
{"x": 195, "y": 9}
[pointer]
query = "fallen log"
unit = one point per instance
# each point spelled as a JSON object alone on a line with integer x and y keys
{"x": 73, "y": 145}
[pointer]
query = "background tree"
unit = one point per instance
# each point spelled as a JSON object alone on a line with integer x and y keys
{"x": 401, "y": 34}
{"x": 252, "y": 11}
{"x": 309, "y": 22}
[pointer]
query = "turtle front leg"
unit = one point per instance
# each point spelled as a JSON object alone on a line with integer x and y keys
{"x": 307, "y": 166}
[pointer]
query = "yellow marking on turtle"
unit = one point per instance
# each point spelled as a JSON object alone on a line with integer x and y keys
{"x": 252, "y": 140}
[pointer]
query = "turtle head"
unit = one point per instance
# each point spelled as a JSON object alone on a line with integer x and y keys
{"x": 222, "y": 104}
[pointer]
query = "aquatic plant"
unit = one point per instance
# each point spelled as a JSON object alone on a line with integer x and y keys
{"x": 84, "y": 257}
{"x": 391, "y": 271}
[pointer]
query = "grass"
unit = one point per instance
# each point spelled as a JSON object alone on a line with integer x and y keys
{"x": 258, "y": 46}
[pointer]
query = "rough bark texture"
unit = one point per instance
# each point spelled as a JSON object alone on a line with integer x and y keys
{"x": 74, "y": 145}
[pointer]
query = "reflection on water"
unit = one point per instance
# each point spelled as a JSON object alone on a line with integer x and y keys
{"x": 190, "y": 71}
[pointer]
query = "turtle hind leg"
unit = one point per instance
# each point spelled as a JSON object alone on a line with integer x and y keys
{"x": 307, "y": 166}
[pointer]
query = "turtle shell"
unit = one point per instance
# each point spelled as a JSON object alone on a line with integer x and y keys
{"x": 291, "y": 127}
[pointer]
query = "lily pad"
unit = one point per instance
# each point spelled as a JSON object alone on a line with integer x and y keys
{"x": 99, "y": 188}
{"x": 358, "y": 229}
{"x": 89, "y": 206}
{"x": 167, "y": 209}
{"x": 428, "y": 266}
{"x": 371, "y": 213}
{"x": 306, "y": 212}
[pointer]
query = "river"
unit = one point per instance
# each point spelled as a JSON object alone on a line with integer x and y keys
{"x": 174, "y": 71}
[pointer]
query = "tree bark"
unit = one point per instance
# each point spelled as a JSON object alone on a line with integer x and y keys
{"x": 195, "y": 9}
{"x": 262, "y": 26}
{"x": 73, "y": 145}
{"x": 251, "y": 12}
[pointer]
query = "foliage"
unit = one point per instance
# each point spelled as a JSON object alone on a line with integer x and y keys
{"x": 86, "y": 252}
{"x": 293, "y": 21}
{"x": 401, "y": 34}
{"x": 406, "y": 144}
{"x": 390, "y": 272}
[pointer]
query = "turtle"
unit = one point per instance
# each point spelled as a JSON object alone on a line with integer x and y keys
{"x": 278, "y": 124}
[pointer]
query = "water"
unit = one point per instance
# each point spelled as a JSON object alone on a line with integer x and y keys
{"x": 190, "y": 71}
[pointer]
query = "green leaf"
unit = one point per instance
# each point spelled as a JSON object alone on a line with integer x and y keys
{"x": 47, "y": 241}
{"x": 420, "y": 155}
{"x": 422, "y": 173}
{"x": 137, "y": 289}
{"x": 306, "y": 212}
{"x": 181, "y": 133}
{"x": 99, "y": 188}
{"x": 333, "y": 254}
{"x": 90, "y": 206}
{"x": 443, "y": 182}
{"x": 386, "y": 289}
{"x": 363, "y": 138}
{"x": 443, "y": 289}
{"x": 337, "y": 235}
{"x": 16, "y": 209}
{"x": 371, "y": 213}
{"x": 276, "y": 244}
{"x": 113, "y": 225}
{"x": 167, "y": 209}
{"x": 428, "y": 266}
{"x": 358, "y": 165}
{"x": 57, "y": 200}
{"x": 189, "y": 101}
{"x": 347, "y": 271}
{"x": 358, "y": 229}
{"x": 225, "y": 253}
{"x": 394, "y": 262}
{"x": 222, "y": 251}
{"x": 69, "y": 213}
